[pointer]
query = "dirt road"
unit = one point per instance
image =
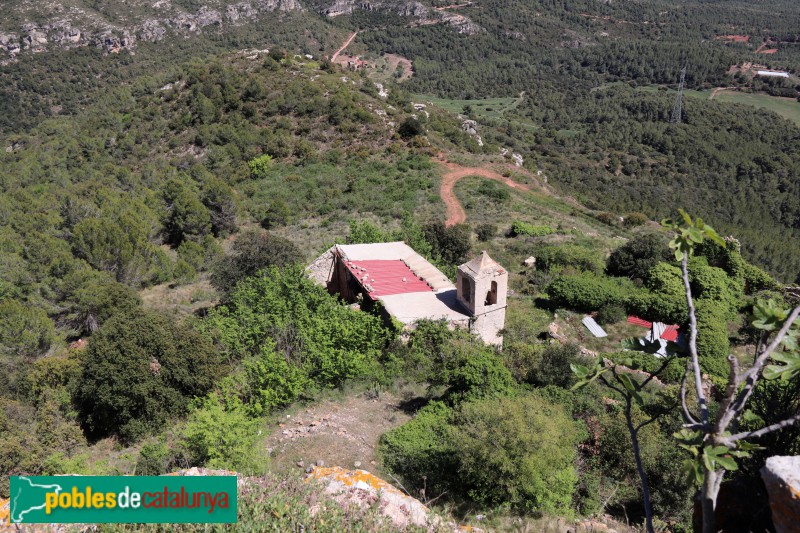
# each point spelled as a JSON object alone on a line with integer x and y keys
{"x": 345, "y": 45}
{"x": 454, "y": 172}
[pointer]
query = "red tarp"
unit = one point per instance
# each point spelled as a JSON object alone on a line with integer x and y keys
{"x": 386, "y": 277}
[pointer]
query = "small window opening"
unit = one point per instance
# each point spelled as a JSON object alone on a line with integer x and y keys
{"x": 491, "y": 296}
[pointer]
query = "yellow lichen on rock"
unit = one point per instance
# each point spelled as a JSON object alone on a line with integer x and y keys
{"x": 5, "y": 509}
{"x": 351, "y": 478}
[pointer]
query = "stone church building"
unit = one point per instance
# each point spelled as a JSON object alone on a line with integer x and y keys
{"x": 410, "y": 288}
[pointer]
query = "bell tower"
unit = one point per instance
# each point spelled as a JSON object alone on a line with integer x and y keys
{"x": 482, "y": 287}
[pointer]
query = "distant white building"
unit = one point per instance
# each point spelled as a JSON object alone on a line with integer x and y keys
{"x": 773, "y": 73}
{"x": 410, "y": 288}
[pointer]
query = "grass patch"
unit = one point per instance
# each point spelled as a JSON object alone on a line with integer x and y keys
{"x": 786, "y": 107}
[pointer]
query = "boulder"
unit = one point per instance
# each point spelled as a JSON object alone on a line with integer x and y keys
{"x": 781, "y": 476}
{"x": 359, "y": 487}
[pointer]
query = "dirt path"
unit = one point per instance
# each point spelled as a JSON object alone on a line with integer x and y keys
{"x": 341, "y": 433}
{"x": 345, "y": 45}
{"x": 455, "y": 212}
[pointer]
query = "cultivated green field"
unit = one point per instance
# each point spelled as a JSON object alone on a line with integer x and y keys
{"x": 785, "y": 107}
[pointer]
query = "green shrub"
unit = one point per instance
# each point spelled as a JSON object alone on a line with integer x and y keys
{"x": 713, "y": 283}
{"x": 311, "y": 328}
{"x": 553, "y": 366}
{"x": 192, "y": 253}
{"x": 635, "y": 258}
{"x": 272, "y": 382}
{"x": 658, "y": 307}
{"x": 569, "y": 255}
{"x": 139, "y": 370}
{"x": 634, "y": 219}
{"x": 529, "y": 464}
{"x": 756, "y": 279}
{"x": 219, "y": 434}
{"x": 252, "y": 251}
{"x": 586, "y": 291}
{"x": 713, "y": 345}
{"x": 485, "y": 231}
{"x": 519, "y": 228}
{"x": 155, "y": 459}
{"x": 611, "y": 314}
{"x": 422, "y": 448}
{"x": 259, "y": 166}
{"x": 410, "y": 127}
{"x": 24, "y": 329}
{"x": 492, "y": 190}
{"x": 607, "y": 218}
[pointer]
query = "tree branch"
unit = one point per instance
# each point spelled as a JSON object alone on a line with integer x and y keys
{"x": 653, "y": 375}
{"x": 698, "y": 377}
{"x": 725, "y": 414}
{"x": 752, "y": 376}
{"x": 687, "y": 415}
{"x": 763, "y": 431}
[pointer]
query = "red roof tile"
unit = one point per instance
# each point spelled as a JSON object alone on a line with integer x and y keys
{"x": 386, "y": 277}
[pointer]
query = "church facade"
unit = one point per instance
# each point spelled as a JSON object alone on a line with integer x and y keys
{"x": 409, "y": 288}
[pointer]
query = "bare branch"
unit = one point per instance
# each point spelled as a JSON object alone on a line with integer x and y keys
{"x": 698, "y": 377}
{"x": 687, "y": 415}
{"x": 725, "y": 414}
{"x": 765, "y": 430}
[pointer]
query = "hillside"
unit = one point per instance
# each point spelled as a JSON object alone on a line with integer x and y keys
{"x": 161, "y": 193}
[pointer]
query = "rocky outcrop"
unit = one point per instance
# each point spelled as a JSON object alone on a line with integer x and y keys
{"x": 781, "y": 476}
{"x": 362, "y": 489}
{"x": 412, "y": 9}
{"x": 80, "y": 28}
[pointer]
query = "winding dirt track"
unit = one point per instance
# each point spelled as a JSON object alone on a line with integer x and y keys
{"x": 454, "y": 172}
{"x": 345, "y": 45}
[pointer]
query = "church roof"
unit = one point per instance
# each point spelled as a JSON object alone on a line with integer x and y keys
{"x": 483, "y": 263}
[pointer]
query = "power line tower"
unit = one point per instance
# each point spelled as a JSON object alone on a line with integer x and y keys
{"x": 677, "y": 110}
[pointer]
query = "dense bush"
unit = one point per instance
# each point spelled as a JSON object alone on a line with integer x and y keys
{"x": 24, "y": 329}
{"x": 422, "y": 451}
{"x": 140, "y": 369}
{"x": 309, "y": 327}
{"x": 219, "y": 434}
{"x": 587, "y": 291}
{"x": 634, "y": 219}
{"x": 485, "y": 231}
{"x": 252, "y": 251}
{"x": 660, "y": 307}
{"x": 549, "y": 257}
{"x": 493, "y": 191}
{"x": 553, "y": 365}
{"x": 610, "y": 314}
{"x": 449, "y": 245}
{"x": 607, "y": 218}
{"x": 713, "y": 345}
{"x": 529, "y": 465}
{"x": 635, "y": 258}
{"x": 519, "y": 228}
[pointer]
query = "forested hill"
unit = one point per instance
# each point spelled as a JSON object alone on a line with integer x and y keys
{"x": 615, "y": 148}
{"x": 183, "y": 159}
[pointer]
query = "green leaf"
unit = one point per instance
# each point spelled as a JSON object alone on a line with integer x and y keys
{"x": 627, "y": 382}
{"x": 689, "y": 437}
{"x": 786, "y": 371}
{"x": 579, "y": 370}
{"x": 726, "y": 462}
{"x": 769, "y": 316}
